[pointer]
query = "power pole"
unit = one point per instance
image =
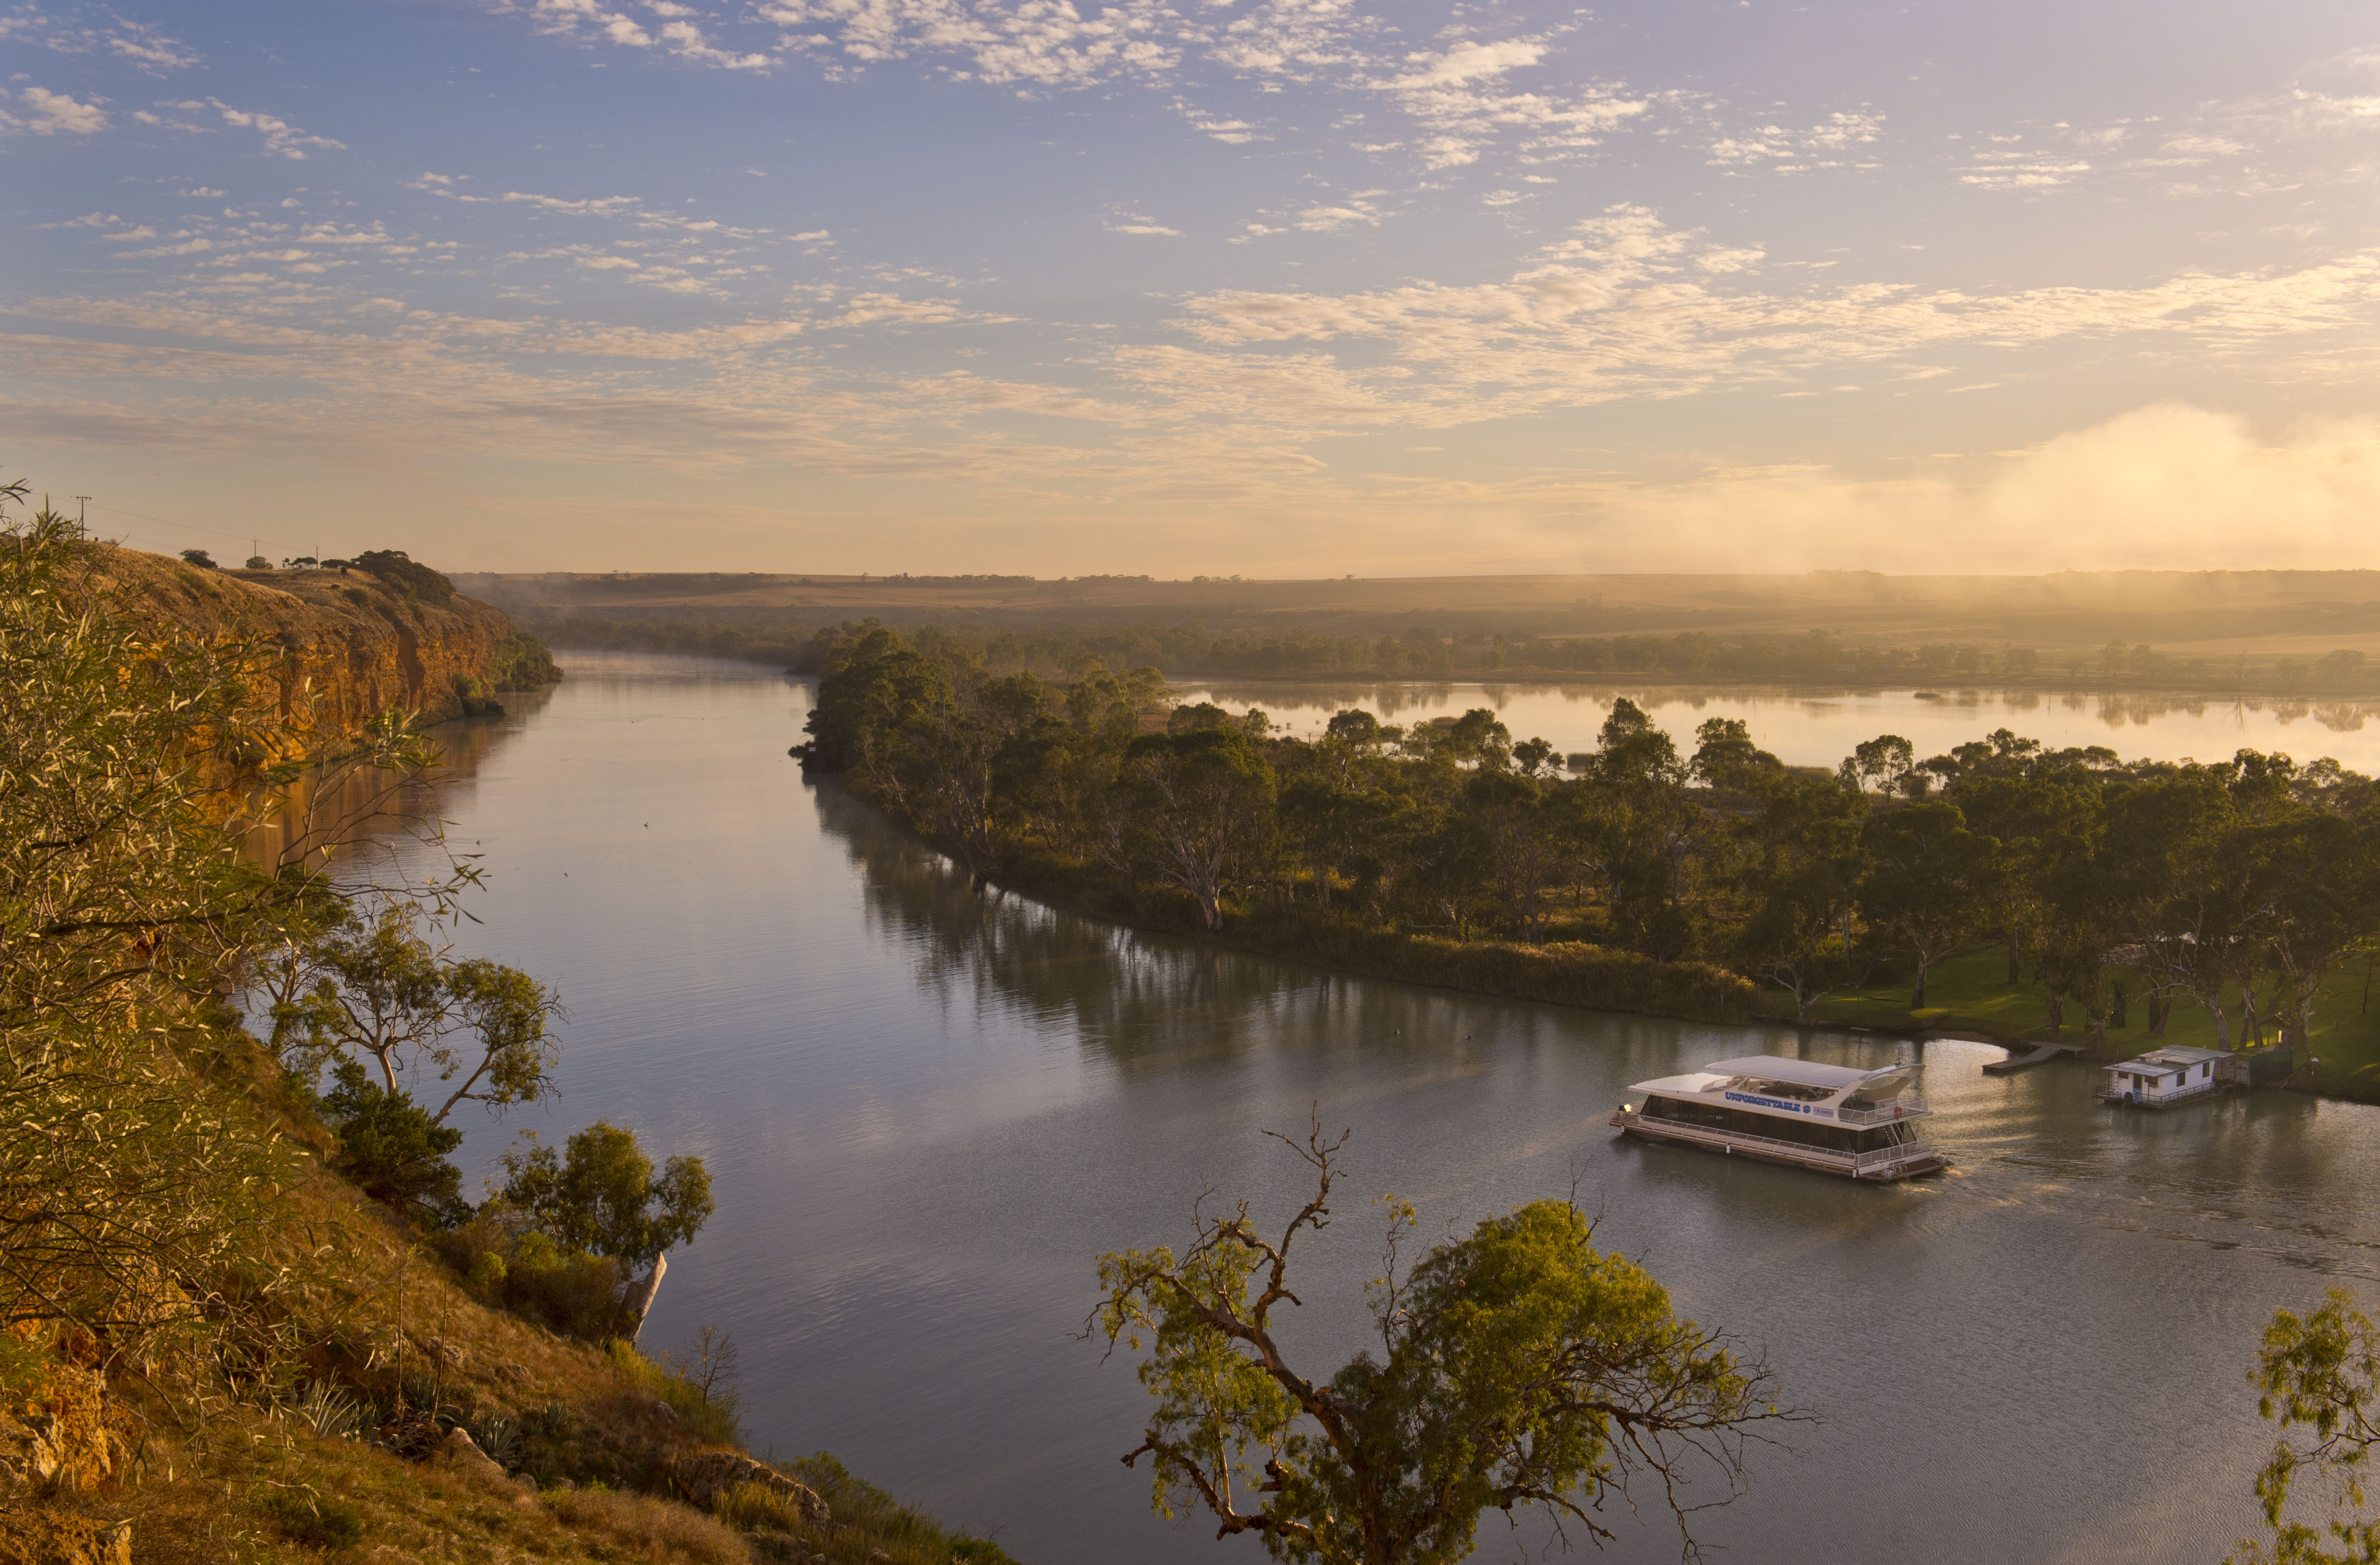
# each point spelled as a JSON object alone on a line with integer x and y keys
{"x": 82, "y": 502}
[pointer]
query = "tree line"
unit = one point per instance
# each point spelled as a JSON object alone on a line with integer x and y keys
{"x": 1422, "y": 651}
{"x": 2239, "y": 886}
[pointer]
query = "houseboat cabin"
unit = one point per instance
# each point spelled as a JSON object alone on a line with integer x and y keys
{"x": 2165, "y": 1075}
{"x": 1858, "y": 1123}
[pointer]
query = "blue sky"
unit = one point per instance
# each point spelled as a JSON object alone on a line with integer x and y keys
{"x": 1289, "y": 288}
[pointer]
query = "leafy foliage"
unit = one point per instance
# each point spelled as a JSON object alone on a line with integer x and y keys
{"x": 390, "y": 1150}
{"x": 1518, "y": 1368}
{"x": 522, "y": 662}
{"x": 397, "y": 568}
{"x": 2319, "y": 1372}
{"x": 602, "y": 1196}
{"x": 374, "y": 989}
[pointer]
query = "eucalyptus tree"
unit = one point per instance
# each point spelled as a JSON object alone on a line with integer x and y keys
{"x": 1517, "y": 1368}
{"x": 1799, "y": 873}
{"x": 1196, "y": 812}
{"x": 1520, "y": 830}
{"x": 1925, "y": 880}
{"x": 375, "y": 989}
{"x": 1645, "y": 827}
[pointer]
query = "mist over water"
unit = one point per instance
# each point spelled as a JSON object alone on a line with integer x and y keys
{"x": 926, "y": 1112}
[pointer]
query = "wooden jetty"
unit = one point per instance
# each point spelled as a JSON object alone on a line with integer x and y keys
{"x": 2040, "y": 1054}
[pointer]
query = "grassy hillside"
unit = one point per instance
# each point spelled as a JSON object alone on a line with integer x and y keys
{"x": 346, "y": 1450}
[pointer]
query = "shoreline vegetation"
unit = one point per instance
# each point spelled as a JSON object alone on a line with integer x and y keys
{"x": 2001, "y": 891}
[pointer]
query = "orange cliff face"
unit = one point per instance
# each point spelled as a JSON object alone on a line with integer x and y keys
{"x": 360, "y": 644}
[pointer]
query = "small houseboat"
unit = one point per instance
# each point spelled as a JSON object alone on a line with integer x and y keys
{"x": 2165, "y": 1075}
{"x": 1861, "y": 1124}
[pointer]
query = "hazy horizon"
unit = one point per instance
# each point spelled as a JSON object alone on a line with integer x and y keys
{"x": 1285, "y": 288}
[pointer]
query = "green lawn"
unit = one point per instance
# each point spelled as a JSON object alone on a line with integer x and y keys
{"x": 1969, "y": 994}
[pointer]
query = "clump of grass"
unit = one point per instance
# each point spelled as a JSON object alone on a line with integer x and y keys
{"x": 868, "y": 1520}
{"x": 711, "y": 1419}
{"x": 659, "y": 1531}
{"x": 318, "y": 1519}
{"x": 757, "y": 1508}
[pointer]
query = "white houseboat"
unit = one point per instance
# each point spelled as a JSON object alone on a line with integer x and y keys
{"x": 2165, "y": 1075}
{"x": 1833, "y": 1118}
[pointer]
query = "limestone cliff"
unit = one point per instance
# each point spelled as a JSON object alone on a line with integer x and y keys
{"x": 363, "y": 643}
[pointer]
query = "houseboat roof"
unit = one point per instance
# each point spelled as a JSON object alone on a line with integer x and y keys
{"x": 1802, "y": 1072}
{"x": 2172, "y": 1057}
{"x": 1831, "y": 1081}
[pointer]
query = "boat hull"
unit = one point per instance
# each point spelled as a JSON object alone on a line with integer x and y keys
{"x": 1868, "y": 1168}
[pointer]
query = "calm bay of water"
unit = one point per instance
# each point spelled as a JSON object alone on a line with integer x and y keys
{"x": 926, "y": 1112}
{"x": 1818, "y": 727}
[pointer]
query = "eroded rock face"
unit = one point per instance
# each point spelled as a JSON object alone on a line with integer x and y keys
{"x": 359, "y": 646}
{"x": 59, "y": 1433}
{"x": 704, "y": 1477}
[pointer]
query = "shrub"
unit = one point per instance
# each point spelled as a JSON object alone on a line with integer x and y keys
{"x": 199, "y": 558}
{"x": 390, "y": 1150}
{"x": 521, "y": 662}
{"x": 397, "y": 568}
{"x": 565, "y": 1290}
{"x": 475, "y": 697}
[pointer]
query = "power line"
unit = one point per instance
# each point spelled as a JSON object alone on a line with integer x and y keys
{"x": 192, "y": 526}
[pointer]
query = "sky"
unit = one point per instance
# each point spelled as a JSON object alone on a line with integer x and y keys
{"x": 1280, "y": 287}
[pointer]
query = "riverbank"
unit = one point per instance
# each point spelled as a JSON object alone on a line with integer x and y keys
{"x": 1968, "y": 992}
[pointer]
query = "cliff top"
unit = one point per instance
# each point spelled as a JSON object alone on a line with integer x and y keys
{"x": 299, "y": 606}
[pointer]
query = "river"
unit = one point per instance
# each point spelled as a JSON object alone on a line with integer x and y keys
{"x": 926, "y": 1112}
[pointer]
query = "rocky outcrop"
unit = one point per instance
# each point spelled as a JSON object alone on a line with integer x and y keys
{"x": 704, "y": 1479}
{"x": 58, "y": 1432}
{"x": 359, "y": 644}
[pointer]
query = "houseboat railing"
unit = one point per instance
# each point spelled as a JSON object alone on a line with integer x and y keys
{"x": 1885, "y": 1113}
{"x": 2148, "y": 1095}
{"x": 1858, "y": 1161}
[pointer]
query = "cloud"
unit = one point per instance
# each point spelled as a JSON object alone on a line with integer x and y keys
{"x": 147, "y": 49}
{"x": 1628, "y": 307}
{"x": 2168, "y": 486}
{"x": 1467, "y": 62}
{"x": 279, "y": 134}
{"x": 1833, "y": 142}
{"x": 44, "y": 112}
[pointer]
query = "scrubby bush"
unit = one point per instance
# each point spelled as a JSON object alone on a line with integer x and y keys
{"x": 521, "y": 662}
{"x": 397, "y": 568}
{"x": 390, "y": 1149}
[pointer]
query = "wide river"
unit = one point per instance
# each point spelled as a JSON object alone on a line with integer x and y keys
{"x": 927, "y": 1113}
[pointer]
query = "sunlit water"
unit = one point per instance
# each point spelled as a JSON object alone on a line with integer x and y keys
{"x": 1818, "y": 727}
{"x": 927, "y": 1113}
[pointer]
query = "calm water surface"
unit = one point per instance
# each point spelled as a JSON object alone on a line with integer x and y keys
{"x": 1818, "y": 727}
{"x": 926, "y": 1112}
